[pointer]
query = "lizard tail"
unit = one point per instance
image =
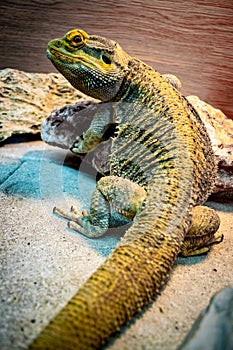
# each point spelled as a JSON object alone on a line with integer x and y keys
{"x": 119, "y": 289}
{"x": 135, "y": 270}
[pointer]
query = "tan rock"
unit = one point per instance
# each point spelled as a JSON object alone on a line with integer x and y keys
{"x": 220, "y": 130}
{"x": 28, "y": 98}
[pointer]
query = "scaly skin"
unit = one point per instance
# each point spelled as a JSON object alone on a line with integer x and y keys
{"x": 162, "y": 170}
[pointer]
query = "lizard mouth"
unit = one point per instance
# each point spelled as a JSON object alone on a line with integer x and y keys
{"x": 62, "y": 56}
{"x": 56, "y": 55}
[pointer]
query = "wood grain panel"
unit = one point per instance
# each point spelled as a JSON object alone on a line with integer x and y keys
{"x": 192, "y": 39}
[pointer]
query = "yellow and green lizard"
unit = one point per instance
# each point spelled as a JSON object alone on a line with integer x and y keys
{"x": 162, "y": 171}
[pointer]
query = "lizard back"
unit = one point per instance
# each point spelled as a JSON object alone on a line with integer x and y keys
{"x": 157, "y": 125}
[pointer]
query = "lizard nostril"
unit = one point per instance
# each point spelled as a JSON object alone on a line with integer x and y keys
{"x": 58, "y": 43}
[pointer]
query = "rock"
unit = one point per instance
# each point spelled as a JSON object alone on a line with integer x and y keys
{"x": 213, "y": 329}
{"x": 220, "y": 130}
{"x": 64, "y": 124}
{"x": 28, "y": 98}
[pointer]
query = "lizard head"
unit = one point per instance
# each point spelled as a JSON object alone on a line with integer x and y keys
{"x": 92, "y": 64}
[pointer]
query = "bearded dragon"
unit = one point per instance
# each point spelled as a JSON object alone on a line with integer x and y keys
{"x": 162, "y": 171}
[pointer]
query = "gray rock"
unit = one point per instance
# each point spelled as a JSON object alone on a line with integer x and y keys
{"x": 213, "y": 329}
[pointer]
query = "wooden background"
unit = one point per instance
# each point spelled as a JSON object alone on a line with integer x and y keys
{"x": 192, "y": 39}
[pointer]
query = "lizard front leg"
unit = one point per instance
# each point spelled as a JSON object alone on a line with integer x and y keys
{"x": 202, "y": 232}
{"x": 95, "y": 134}
{"x": 126, "y": 197}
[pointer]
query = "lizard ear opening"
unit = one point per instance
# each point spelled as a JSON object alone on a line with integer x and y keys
{"x": 106, "y": 59}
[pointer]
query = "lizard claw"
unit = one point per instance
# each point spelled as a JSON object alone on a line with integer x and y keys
{"x": 72, "y": 215}
{"x": 75, "y": 211}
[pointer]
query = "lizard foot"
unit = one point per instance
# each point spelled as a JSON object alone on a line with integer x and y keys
{"x": 202, "y": 233}
{"x": 186, "y": 251}
{"x": 80, "y": 222}
{"x": 78, "y": 146}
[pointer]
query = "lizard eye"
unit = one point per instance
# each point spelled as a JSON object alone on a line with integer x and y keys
{"x": 77, "y": 40}
{"x": 106, "y": 59}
